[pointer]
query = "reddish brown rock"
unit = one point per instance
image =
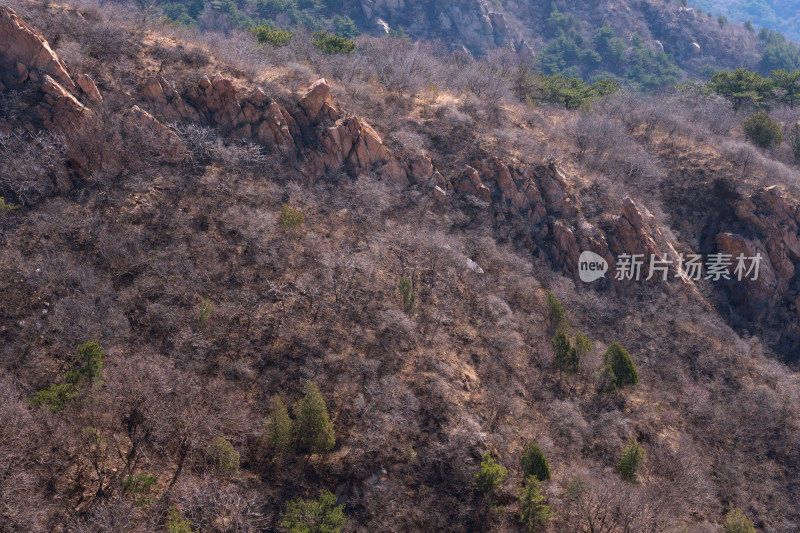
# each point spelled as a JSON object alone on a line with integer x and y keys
{"x": 753, "y": 297}
{"x": 153, "y": 91}
{"x": 215, "y": 100}
{"x": 395, "y": 172}
{"x": 422, "y": 170}
{"x": 470, "y": 183}
{"x": 566, "y": 249}
{"x": 316, "y": 97}
{"x": 557, "y": 193}
{"x": 23, "y": 49}
{"x": 87, "y": 85}
{"x": 59, "y": 109}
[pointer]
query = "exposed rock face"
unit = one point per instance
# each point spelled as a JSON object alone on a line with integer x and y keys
{"x": 535, "y": 205}
{"x": 23, "y": 53}
{"x": 526, "y": 54}
{"x": 317, "y": 96}
{"x": 87, "y": 85}
{"x": 540, "y": 209}
{"x": 351, "y": 144}
{"x": 215, "y": 99}
{"x": 91, "y": 149}
{"x": 470, "y": 183}
{"x": 753, "y": 298}
{"x": 464, "y": 22}
{"x": 59, "y": 109}
{"x": 766, "y": 224}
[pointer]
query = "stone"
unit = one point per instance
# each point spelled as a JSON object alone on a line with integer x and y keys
{"x": 526, "y": 54}
{"x": 753, "y": 298}
{"x": 318, "y": 95}
{"x": 59, "y": 110}
{"x": 87, "y": 85}
{"x": 421, "y": 170}
{"x": 395, "y": 172}
{"x": 20, "y": 44}
{"x": 258, "y": 97}
{"x": 153, "y": 91}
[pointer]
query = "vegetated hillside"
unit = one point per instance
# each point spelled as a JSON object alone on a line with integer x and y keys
{"x": 645, "y": 44}
{"x": 227, "y": 227}
{"x": 781, "y": 16}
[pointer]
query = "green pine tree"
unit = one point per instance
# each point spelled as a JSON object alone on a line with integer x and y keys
{"x": 633, "y": 458}
{"x": 491, "y": 475}
{"x": 582, "y": 345}
{"x": 313, "y": 426}
{"x": 278, "y": 429}
{"x": 407, "y": 293}
{"x": 534, "y": 512}
{"x": 224, "y": 456}
{"x": 556, "y": 318}
{"x": 619, "y": 365}
{"x": 741, "y": 86}
{"x": 87, "y": 367}
{"x": 762, "y": 131}
{"x": 309, "y": 516}
{"x": 534, "y": 463}
{"x": 737, "y": 522}
{"x": 565, "y": 356}
{"x": 177, "y": 523}
{"x": 266, "y": 34}
{"x": 86, "y": 370}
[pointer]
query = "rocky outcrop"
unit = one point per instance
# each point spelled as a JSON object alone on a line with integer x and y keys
{"x": 351, "y": 144}
{"x": 468, "y": 23}
{"x": 539, "y": 208}
{"x": 166, "y": 101}
{"x": 24, "y": 53}
{"x": 59, "y": 109}
{"x": 88, "y": 87}
{"x": 315, "y": 103}
{"x": 765, "y": 224}
{"x": 93, "y": 149}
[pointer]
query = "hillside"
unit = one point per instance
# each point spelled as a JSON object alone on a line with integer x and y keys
{"x": 194, "y": 224}
{"x": 587, "y": 38}
{"x": 777, "y": 16}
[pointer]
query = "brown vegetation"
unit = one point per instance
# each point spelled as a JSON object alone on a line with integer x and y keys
{"x": 177, "y": 262}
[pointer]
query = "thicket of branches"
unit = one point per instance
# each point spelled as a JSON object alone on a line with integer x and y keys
{"x": 207, "y": 306}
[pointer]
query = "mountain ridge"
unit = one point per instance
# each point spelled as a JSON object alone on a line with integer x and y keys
{"x": 158, "y": 216}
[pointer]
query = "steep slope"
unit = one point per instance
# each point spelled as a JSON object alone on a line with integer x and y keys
{"x": 153, "y": 219}
{"x": 777, "y": 16}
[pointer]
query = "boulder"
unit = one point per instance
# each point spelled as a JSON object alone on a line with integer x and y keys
{"x": 753, "y": 297}
{"x": 87, "y": 85}
{"x": 422, "y": 170}
{"x": 23, "y": 50}
{"x": 59, "y": 109}
{"x": 153, "y": 91}
{"x": 526, "y": 54}
{"x": 316, "y": 97}
{"x": 470, "y": 183}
